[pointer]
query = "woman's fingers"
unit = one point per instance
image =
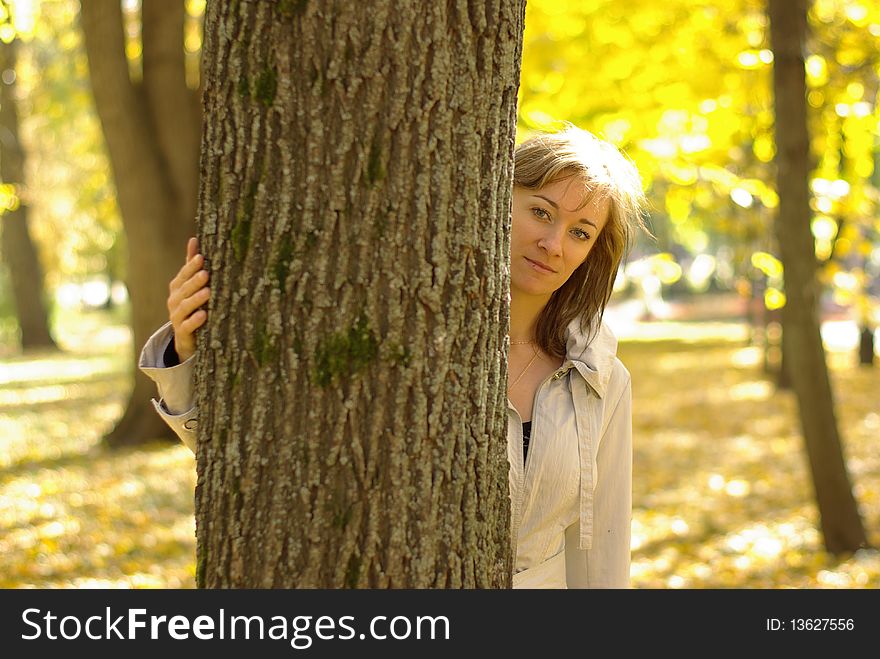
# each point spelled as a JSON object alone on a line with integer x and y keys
{"x": 192, "y": 248}
{"x": 187, "y": 292}
{"x": 188, "y": 305}
{"x": 184, "y": 343}
{"x": 193, "y": 262}
{"x": 192, "y": 285}
{"x": 188, "y": 270}
{"x": 194, "y": 322}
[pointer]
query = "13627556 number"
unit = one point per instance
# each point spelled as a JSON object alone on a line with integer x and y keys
{"x": 821, "y": 624}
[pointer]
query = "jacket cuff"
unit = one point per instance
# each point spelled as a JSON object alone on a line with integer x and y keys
{"x": 174, "y": 382}
{"x": 184, "y": 425}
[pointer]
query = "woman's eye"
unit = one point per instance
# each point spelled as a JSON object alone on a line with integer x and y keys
{"x": 581, "y": 234}
{"x": 541, "y": 213}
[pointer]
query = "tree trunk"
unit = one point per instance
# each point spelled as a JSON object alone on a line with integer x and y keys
{"x": 354, "y": 205}
{"x": 783, "y": 375}
{"x": 18, "y": 249}
{"x": 804, "y": 354}
{"x": 152, "y": 132}
{"x": 866, "y": 346}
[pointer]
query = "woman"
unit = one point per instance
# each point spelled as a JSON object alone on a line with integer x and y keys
{"x": 577, "y": 203}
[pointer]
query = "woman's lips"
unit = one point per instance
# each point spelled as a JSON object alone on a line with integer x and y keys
{"x": 540, "y": 267}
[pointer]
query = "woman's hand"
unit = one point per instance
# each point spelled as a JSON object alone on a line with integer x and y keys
{"x": 187, "y": 292}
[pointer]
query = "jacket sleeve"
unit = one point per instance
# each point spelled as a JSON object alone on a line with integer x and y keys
{"x": 607, "y": 563}
{"x": 175, "y": 404}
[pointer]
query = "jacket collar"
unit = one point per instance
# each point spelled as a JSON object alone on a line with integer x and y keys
{"x": 594, "y": 358}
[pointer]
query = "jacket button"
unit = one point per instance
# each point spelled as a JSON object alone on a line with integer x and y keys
{"x": 191, "y": 424}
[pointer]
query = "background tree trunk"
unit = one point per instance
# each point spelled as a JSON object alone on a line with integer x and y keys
{"x": 804, "y": 354}
{"x": 18, "y": 249}
{"x": 152, "y": 130}
{"x": 866, "y": 346}
{"x": 354, "y": 205}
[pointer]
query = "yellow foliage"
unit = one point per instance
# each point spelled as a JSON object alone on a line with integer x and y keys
{"x": 685, "y": 87}
{"x": 767, "y": 263}
{"x": 774, "y": 298}
{"x": 817, "y": 71}
{"x": 678, "y": 206}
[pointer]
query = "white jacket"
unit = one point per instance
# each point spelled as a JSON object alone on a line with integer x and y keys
{"x": 571, "y": 503}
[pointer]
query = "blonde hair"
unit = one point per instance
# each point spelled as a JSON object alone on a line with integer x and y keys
{"x": 606, "y": 173}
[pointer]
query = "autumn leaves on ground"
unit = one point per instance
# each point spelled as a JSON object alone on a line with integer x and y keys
{"x": 722, "y": 497}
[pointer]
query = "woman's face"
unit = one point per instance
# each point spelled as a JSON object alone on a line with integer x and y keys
{"x": 549, "y": 239}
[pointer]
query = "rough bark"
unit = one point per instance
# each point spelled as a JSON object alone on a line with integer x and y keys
{"x": 152, "y": 140}
{"x": 354, "y": 205}
{"x": 18, "y": 250}
{"x": 804, "y": 354}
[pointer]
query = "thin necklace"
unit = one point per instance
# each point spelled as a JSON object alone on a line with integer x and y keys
{"x": 522, "y": 343}
{"x": 531, "y": 361}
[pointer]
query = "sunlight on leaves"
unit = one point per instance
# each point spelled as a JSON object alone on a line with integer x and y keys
{"x": 721, "y": 493}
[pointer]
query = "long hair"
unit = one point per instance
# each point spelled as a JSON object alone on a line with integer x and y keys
{"x": 605, "y": 174}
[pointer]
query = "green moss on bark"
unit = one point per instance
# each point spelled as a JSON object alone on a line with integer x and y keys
{"x": 375, "y": 165}
{"x": 283, "y": 261}
{"x": 289, "y": 8}
{"x": 266, "y": 86}
{"x": 353, "y": 571}
{"x": 399, "y": 354}
{"x": 201, "y": 568}
{"x": 241, "y": 232}
{"x": 243, "y": 87}
{"x": 264, "y": 347}
{"x": 345, "y": 353}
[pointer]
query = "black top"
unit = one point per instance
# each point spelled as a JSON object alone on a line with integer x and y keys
{"x": 527, "y": 431}
{"x": 170, "y": 358}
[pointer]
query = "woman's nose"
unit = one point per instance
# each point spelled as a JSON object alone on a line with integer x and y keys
{"x": 551, "y": 242}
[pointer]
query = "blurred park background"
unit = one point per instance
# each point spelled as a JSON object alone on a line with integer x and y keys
{"x": 723, "y": 494}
